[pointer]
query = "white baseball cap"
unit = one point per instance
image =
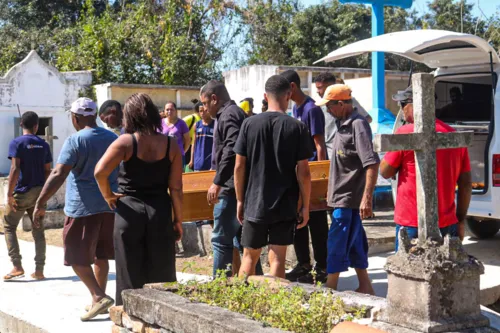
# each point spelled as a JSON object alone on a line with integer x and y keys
{"x": 84, "y": 106}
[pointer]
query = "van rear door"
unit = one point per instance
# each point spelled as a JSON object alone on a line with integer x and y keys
{"x": 434, "y": 48}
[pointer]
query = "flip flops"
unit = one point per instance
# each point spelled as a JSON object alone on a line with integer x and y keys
{"x": 12, "y": 277}
{"x": 103, "y": 305}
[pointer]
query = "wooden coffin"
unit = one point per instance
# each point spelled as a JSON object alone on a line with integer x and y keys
{"x": 196, "y": 184}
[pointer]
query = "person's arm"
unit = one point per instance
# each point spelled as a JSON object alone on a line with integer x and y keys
{"x": 370, "y": 161}
{"x": 186, "y": 140}
{"x": 386, "y": 170}
{"x": 319, "y": 142}
{"x": 230, "y": 125}
{"x": 464, "y": 193}
{"x": 304, "y": 180}
{"x": 52, "y": 184}
{"x": 317, "y": 130}
{"x": 366, "y": 209}
{"x": 175, "y": 187}
{"x": 48, "y": 162}
{"x": 47, "y": 169}
{"x": 15, "y": 171}
{"x": 111, "y": 159}
{"x": 239, "y": 185}
{"x": 191, "y": 161}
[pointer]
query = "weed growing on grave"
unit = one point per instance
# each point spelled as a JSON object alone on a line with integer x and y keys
{"x": 286, "y": 308}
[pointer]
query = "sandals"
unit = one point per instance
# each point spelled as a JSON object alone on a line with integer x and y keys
{"x": 99, "y": 307}
{"x": 12, "y": 277}
{"x": 88, "y": 307}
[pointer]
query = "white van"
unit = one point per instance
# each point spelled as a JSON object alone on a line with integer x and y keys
{"x": 467, "y": 98}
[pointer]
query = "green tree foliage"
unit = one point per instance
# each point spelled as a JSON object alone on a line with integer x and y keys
{"x": 187, "y": 42}
{"x": 312, "y": 33}
{"x": 269, "y": 24}
{"x": 169, "y": 42}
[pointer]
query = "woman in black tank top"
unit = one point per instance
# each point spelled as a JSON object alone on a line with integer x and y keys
{"x": 150, "y": 185}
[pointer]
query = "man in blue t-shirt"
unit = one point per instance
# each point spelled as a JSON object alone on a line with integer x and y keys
{"x": 312, "y": 116}
{"x": 30, "y": 165}
{"x": 88, "y": 228}
{"x": 201, "y": 151}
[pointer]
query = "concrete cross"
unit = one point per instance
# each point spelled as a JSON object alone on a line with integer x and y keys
{"x": 424, "y": 141}
{"x": 48, "y": 135}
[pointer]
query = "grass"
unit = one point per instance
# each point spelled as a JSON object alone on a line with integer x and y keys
{"x": 285, "y": 308}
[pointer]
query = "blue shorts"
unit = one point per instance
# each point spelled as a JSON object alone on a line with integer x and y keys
{"x": 347, "y": 242}
{"x": 452, "y": 230}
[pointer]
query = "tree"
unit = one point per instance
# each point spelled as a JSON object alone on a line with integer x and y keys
{"x": 268, "y": 28}
{"x": 169, "y": 42}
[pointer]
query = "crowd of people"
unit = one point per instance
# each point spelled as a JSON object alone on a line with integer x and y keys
{"x": 124, "y": 185}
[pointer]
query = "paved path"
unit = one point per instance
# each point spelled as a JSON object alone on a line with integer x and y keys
{"x": 55, "y": 305}
{"x": 485, "y": 250}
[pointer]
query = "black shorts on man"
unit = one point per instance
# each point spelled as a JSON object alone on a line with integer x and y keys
{"x": 258, "y": 235}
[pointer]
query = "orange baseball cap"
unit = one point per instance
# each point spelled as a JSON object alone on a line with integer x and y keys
{"x": 336, "y": 92}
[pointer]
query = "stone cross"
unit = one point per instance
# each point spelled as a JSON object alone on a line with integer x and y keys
{"x": 424, "y": 141}
{"x": 48, "y": 135}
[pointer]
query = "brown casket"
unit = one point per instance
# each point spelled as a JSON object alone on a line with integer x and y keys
{"x": 196, "y": 184}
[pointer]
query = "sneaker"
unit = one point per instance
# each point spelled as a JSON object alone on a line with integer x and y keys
{"x": 297, "y": 272}
{"x": 317, "y": 275}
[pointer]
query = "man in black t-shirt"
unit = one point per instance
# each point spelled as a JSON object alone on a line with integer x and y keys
{"x": 272, "y": 153}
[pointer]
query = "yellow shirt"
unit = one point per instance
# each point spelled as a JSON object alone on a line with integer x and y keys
{"x": 191, "y": 121}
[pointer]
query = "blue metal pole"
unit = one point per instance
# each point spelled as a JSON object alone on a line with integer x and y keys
{"x": 378, "y": 67}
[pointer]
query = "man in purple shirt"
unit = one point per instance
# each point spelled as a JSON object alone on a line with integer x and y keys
{"x": 312, "y": 116}
{"x": 31, "y": 161}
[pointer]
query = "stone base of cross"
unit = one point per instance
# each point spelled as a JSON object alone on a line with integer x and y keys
{"x": 433, "y": 286}
{"x": 424, "y": 141}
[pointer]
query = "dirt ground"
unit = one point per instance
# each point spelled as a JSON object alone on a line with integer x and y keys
{"x": 193, "y": 264}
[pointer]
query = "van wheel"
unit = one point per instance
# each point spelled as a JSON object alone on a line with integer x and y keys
{"x": 482, "y": 229}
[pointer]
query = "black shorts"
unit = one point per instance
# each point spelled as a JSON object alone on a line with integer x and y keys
{"x": 258, "y": 235}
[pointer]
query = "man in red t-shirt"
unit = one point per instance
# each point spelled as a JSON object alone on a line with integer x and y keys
{"x": 453, "y": 168}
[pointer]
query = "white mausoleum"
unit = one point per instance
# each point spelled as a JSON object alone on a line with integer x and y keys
{"x": 34, "y": 85}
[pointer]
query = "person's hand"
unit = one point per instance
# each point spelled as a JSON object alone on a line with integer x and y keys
{"x": 461, "y": 229}
{"x": 113, "y": 198}
{"x": 178, "y": 231}
{"x": 365, "y": 209}
{"x": 303, "y": 217}
{"x": 38, "y": 214}
{"x": 240, "y": 211}
{"x": 213, "y": 194}
{"x": 191, "y": 165}
{"x": 12, "y": 203}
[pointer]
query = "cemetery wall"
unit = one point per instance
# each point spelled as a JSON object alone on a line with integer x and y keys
{"x": 160, "y": 94}
{"x": 249, "y": 81}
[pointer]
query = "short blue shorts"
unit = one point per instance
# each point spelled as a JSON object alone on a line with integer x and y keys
{"x": 347, "y": 242}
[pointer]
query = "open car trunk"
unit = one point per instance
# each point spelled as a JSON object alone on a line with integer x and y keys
{"x": 463, "y": 101}
{"x": 463, "y": 97}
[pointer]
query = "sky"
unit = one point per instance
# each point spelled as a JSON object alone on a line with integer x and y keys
{"x": 488, "y": 7}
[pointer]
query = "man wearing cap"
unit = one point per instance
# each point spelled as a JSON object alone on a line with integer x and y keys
{"x": 111, "y": 114}
{"x": 88, "y": 228}
{"x": 353, "y": 175}
{"x": 453, "y": 167}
